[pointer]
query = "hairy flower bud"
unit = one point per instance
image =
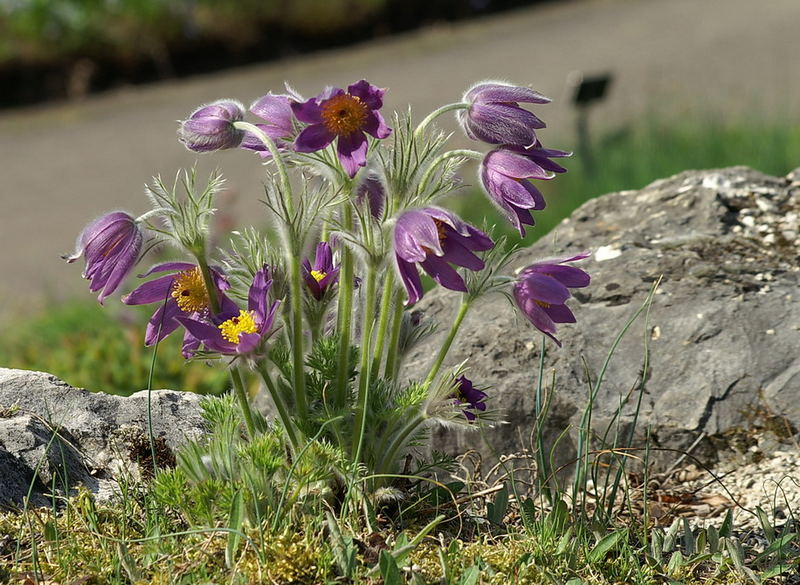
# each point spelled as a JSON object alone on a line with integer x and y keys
{"x": 211, "y": 127}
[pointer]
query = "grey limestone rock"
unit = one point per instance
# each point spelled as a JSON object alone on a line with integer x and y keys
{"x": 723, "y": 330}
{"x": 54, "y": 437}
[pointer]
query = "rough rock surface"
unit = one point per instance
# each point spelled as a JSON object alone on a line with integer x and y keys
{"x": 56, "y": 436}
{"x": 723, "y": 329}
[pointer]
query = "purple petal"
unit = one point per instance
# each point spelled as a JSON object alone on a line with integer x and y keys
{"x": 313, "y": 138}
{"x": 165, "y": 318}
{"x": 443, "y": 273}
{"x": 413, "y": 231}
{"x": 371, "y": 95}
{"x": 153, "y": 291}
{"x": 499, "y": 92}
{"x": 515, "y": 165}
{"x": 172, "y": 266}
{"x": 352, "y": 151}
{"x": 376, "y": 126}
{"x": 545, "y": 288}
{"x": 569, "y": 276}
{"x": 456, "y": 253}
{"x": 559, "y": 313}
{"x": 411, "y": 280}
{"x": 308, "y": 112}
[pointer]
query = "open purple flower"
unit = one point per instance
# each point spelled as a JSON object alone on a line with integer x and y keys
{"x": 542, "y": 290}
{"x": 346, "y": 116}
{"x": 181, "y": 292}
{"x": 505, "y": 172}
{"x": 111, "y": 246}
{"x": 470, "y": 397}
{"x": 323, "y": 273}
{"x": 235, "y": 331}
{"x": 494, "y": 115}
{"x": 211, "y": 127}
{"x": 434, "y": 239}
{"x": 276, "y": 111}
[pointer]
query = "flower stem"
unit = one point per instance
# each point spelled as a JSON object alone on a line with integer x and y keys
{"x": 366, "y": 361}
{"x": 392, "y": 360}
{"x": 399, "y": 441}
{"x": 344, "y": 313}
{"x": 462, "y": 311}
{"x": 436, "y": 113}
{"x": 298, "y": 354}
{"x": 280, "y": 404}
{"x": 286, "y": 186}
{"x": 244, "y": 402}
{"x": 465, "y": 152}
{"x": 383, "y": 323}
{"x": 211, "y": 289}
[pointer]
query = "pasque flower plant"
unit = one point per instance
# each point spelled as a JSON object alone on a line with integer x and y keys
{"x": 318, "y": 310}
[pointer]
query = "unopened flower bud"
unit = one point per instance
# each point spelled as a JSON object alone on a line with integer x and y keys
{"x": 211, "y": 127}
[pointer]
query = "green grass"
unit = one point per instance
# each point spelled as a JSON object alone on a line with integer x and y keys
{"x": 630, "y": 157}
{"x": 102, "y": 349}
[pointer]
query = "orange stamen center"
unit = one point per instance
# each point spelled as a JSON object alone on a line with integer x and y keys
{"x": 343, "y": 114}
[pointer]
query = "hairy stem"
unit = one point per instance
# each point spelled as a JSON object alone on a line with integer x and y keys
{"x": 366, "y": 362}
{"x": 436, "y": 113}
{"x": 462, "y": 311}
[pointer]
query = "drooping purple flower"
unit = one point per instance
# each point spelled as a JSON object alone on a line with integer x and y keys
{"x": 111, "y": 246}
{"x": 434, "y": 239}
{"x": 235, "y": 331}
{"x": 470, "y": 397}
{"x": 344, "y": 117}
{"x": 323, "y": 274}
{"x": 181, "y": 292}
{"x": 211, "y": 127}
{"x": 505, "y": 172}
{"x": 542, "y": 289}
{"x": 494, "y": 115}
{"x": 276, "y": 111}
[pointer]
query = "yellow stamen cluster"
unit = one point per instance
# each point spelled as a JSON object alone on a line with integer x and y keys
{"x": 343, "y": 114}
{"x": 318, "y": 275}
{"x": 189, "y": 291}
{"x": 235, "y": 326}
{"x": 542, "y": 304}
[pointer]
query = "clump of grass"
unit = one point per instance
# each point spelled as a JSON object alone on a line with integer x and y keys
{"x": 89, "y": 348}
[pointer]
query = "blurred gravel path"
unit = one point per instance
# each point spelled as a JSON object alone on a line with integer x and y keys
{"x": 64, "y": 164}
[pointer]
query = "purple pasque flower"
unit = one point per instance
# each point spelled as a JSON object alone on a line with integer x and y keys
{"x": 494, "y": 116}
{"x": 343, "y": 116}
{"x": 182, "y": 292}
{"x": 111, "y": 245}
{"x": 542, "y": 289}
{"x": 234, "y": 331}
{"x": 276, "y": 111}
{"x": 211, "y": 127}
{"x": 323, "y": 274}
{"x": 470, "y": 397}
{"x": 435, "y": 238}
{"x": 505, "y": 172}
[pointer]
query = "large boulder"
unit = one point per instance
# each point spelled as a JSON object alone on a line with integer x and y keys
{"x": 54, "y": 438}
{"x": 722, "y": 330}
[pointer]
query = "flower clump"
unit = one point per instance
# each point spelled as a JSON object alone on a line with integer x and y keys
{"x": 319, "y": 305}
